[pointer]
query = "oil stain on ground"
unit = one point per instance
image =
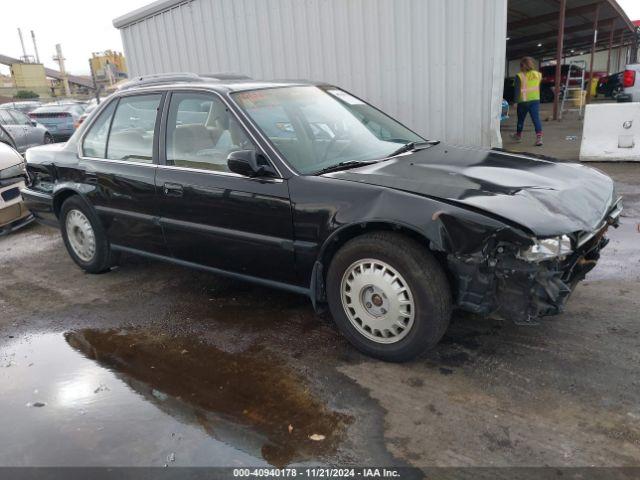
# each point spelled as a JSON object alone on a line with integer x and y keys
{"x": 148, "y": 398}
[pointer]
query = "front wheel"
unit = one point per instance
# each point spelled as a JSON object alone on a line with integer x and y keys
{"x": 84, "y": 236}
{"x": 47, "y": 139}
{"x": 389, "y": 296}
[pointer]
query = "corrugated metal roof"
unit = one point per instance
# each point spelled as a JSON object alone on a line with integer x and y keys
{"x": 532, "y": 27}
{"x": 436, "y": 65}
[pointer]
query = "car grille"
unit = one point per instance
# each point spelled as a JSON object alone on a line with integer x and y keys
{"x": 11, "y": 194}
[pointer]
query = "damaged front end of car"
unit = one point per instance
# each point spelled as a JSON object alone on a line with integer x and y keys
{"x": 521, "y": 278}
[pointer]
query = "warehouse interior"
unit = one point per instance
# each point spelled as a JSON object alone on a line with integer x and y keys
{"x": 597, "y": 32}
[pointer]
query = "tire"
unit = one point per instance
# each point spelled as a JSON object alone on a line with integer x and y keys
{"x": 79, "y": 222}
{"x": 47, "y": 139}
{"x": 414, "y": 277}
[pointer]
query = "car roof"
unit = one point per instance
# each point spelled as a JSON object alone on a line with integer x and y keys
{"x": 22, "y": 103}
{"x": 222, "y": 83}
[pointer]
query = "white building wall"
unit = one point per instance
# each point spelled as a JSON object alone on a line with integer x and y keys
{"x": 436, "y": 65}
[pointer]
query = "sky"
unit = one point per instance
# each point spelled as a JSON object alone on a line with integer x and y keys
{"x": 85, "y": 26}
{"x": 80, "y": 26}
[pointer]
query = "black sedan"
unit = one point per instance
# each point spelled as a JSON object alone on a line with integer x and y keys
{"x": 308, "y": 188}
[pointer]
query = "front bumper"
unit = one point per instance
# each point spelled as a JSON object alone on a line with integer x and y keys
{"x": 13, "y": 212}
{"x": 513, "y": 289}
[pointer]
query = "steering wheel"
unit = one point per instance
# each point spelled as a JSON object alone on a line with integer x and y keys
{"x": 330, "y": 145}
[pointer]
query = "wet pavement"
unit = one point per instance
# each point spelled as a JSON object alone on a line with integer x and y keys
{"x": 153, "y": 364}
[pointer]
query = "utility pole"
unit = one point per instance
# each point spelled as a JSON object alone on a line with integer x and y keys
{"x": 559, "y": 56}
{"x": 96, "y": 90}
{"x": 35, "y": 47}
{"x": 593, "y": 49}
{"x": 65, "y": 80}
{"x": 25, "y": 57}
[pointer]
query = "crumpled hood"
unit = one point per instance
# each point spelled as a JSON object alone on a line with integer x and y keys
{"x": 545, "y": 196}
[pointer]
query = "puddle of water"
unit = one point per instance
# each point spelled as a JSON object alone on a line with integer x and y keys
{"x": 137, "y": 398}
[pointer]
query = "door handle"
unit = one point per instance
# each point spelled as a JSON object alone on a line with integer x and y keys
{"x": 172, "y": 189}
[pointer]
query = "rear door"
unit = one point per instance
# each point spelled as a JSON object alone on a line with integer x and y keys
{"x": 211, "y": 216}
{"x": 17, "y": 131}
{"x": 119, "y": 155}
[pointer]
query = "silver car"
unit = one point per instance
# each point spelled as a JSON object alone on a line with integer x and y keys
{"x": 24, "y": 131}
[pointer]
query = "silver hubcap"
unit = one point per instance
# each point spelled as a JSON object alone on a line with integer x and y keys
{"x": 377, "y": 301}
{"x": 80, "y": 235}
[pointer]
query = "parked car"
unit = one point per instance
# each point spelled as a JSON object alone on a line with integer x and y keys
{"x": 26, "y": 106}
{"x": 13, "y": 213}
{"x": 60, "y": 119}
{"x": 25, "y": 132}
{"x": 630, "y": 84}
{"x": 6, "y": 138}
{"x": 611, "y": 86}
{"x": 308, "y": 188}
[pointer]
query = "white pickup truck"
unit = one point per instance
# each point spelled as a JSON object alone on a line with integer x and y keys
{"x": 631, "y": 82}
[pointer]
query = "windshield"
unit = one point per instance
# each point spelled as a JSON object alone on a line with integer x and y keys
{"x": 314, "y": 128}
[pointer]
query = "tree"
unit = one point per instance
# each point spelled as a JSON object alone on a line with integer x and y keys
{"x": 26, "y": 94}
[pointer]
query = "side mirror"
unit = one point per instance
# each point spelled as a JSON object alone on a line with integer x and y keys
{"x": 250, "y": 164}
{"x": 33, "y": 123}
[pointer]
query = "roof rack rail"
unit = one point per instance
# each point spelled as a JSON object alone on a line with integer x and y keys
{"x": 225, "y": 76}
{"x": 162, "y": 78}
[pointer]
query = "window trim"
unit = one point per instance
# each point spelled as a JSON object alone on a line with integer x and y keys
{"x": 207, "y": 91}
{"x": 156, "y": 128}
{"x": 245, "y": 122}
{"x": 86, "y": 126}
{"x": 90, "y": 126}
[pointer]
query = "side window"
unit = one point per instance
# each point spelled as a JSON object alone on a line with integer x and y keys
{"x": 132, "y": 129}
{"x": 95, "y": 140}
{"x": 201, "y": 132}
{"x": 5, "y": 118}
{"x": 20, "y": 118}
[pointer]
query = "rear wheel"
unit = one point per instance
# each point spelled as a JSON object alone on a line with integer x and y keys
{"x": 84, "y": 236}
{"x": 389, "y": 296}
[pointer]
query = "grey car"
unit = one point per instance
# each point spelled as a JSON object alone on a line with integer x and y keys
{"x": 24, "y": 131}
{"x": 61, "y": 118}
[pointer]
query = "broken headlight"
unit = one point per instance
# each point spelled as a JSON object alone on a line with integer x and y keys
{"x": 547, "y": 249}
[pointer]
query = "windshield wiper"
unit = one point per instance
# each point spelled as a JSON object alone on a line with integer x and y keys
{"x": 413, "y": 147}
{"x": 344, "y": 166}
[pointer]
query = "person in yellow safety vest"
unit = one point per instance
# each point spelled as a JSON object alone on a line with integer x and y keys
{"x": 527, "y": 90}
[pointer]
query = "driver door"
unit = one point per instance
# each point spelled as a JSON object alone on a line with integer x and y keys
{"x": 210, "y": 215}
